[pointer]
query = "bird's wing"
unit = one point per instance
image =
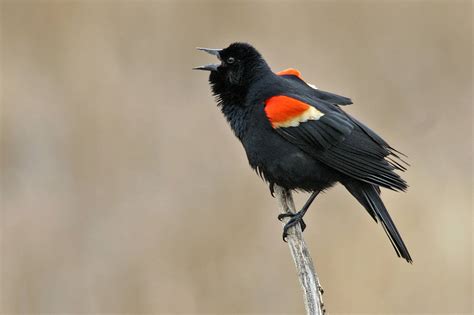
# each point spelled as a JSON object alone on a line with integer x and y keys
{"x": 334, "y": 138}
{"x": 295, "y": 77}
{"x": 306, "y": 125}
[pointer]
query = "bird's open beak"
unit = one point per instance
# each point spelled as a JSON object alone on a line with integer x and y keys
{"x": 209, "y": 67}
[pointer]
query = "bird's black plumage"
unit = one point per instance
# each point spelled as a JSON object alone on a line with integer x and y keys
{"x": 319, "y": 94}
{"x": 298, "y": 137}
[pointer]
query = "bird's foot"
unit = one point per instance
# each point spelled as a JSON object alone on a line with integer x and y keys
{"x": 295, "y": 218}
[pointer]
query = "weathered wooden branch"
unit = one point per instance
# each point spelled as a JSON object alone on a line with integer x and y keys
{"x": 304, "y": 264}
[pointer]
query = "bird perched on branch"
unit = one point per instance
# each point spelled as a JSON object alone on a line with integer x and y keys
{"x": 299, "y": 138}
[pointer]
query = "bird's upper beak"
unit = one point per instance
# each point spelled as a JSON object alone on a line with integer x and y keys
{"x": 209, "y": 67}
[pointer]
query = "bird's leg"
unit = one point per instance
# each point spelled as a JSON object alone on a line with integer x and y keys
{"x": 297, "y": 217}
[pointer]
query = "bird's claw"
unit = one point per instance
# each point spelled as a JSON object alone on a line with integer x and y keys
{"x": 281, "y": 216}
{"x": 295, "y": 219}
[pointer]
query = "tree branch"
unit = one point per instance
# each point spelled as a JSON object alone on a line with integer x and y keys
{"x": 309, "y": 280}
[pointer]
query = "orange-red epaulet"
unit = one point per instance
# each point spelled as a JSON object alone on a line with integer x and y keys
{"x": 290, "y": 71}
{"x": 285, "y": 111}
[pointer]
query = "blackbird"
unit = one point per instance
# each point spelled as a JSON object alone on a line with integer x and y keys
{"x": 298, "y": 137}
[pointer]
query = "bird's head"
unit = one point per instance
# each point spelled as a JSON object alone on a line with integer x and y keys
{"x": 240, "y": 65}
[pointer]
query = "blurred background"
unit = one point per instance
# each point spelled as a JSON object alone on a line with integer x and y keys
{"x": 123, "y": 190}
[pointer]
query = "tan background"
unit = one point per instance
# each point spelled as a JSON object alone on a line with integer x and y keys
{"x": 124, "y": 190}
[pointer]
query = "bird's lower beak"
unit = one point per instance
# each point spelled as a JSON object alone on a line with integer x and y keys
{"x": 209, "y": 67}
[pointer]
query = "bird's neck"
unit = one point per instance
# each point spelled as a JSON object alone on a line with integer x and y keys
{"x": 237, "y": 115}
{"x": 238, "y": 101}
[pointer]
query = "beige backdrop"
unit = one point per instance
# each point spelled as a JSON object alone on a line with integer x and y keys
{"x": 124, "y": 190}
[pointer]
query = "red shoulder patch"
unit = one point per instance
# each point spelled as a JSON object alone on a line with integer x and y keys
{"x": 290, "y": 71}
{"x": 284, "y": 111}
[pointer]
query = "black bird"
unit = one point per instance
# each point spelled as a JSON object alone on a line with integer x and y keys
{"x": 298, "y": 137}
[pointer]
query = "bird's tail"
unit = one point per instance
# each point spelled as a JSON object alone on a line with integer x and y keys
{"x": 369, "y": 196}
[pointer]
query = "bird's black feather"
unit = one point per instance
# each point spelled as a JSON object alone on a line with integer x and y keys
{"x": 322, "y": 134}
{"x": 369, "y": 197}
{"x": 320, "y": 94}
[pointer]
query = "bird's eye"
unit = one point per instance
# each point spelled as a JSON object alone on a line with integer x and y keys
{"x": 230, "y": 60}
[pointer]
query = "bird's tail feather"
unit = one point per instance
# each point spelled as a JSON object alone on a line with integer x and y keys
{"x": 369, "y": 196}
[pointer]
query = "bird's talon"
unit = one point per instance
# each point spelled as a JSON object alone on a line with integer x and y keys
{"x": 295, "y": 219}
{"x": 281, "y": 216}
{"x": 303, "y": 225}
{"x": 285, "y": 234}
